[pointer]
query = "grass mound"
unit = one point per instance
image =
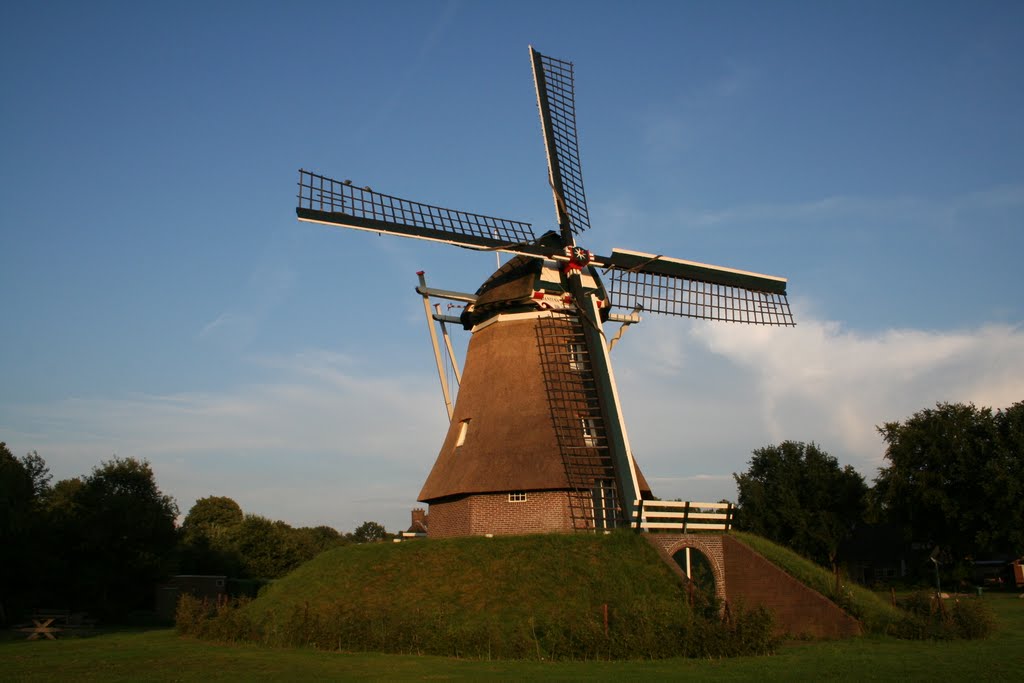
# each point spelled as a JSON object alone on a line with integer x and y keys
{"x": 519, "y": 597}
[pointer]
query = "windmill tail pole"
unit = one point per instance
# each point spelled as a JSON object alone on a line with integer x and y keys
{"x": 448, "y": 345}
{"x": 437, "y": 348}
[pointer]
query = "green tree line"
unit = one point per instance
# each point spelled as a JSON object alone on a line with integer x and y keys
{"x": 952, "y": 479}
{"x": 102, "y": 542}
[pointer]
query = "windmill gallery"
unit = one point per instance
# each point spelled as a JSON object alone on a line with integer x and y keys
{"x": 536, "y": 441}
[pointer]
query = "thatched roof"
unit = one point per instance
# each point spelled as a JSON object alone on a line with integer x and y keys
{"x": 509, "y": 442}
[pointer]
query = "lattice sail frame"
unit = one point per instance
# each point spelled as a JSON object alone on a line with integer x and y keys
{"x": 341, "y": 203}
{"x": 696, "y": 299}
{"x": 557, "y": 103}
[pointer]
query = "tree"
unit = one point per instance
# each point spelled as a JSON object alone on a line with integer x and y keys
{"x": 369, "y": 532}
{"x": 17, "y": 519}
{"x": 207, "y": 537}
{"x": 1004, "y": 478}
{"x": 797, "y": 494}
{"x": 955, "y": 478}
{"x": 213, "y": 512}
{"x": 125, "y": 535}
{"x": 268, "y": 549}
{"x": 321, "y": 538}
{"x": 218, "y": 538}
{"x": 38, "y": 472}
{"x": 16, "y": 495}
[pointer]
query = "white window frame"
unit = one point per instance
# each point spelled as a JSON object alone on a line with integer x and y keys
{"x": 589, "y": 428}
{"x": 463, "y": 430}
{"x": 577, "y": 353}
{"x": 517, "y": 497}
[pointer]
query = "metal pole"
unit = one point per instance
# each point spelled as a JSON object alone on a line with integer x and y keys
{"x": 437, "y": 349}
{"x": 448, "y": 345}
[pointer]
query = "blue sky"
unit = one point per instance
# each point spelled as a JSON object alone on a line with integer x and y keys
{"x": 159, "y": 299}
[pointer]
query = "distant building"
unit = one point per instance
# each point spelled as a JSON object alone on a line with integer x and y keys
{"x": 418, "y": 527}
{"x": 878, "y": 553}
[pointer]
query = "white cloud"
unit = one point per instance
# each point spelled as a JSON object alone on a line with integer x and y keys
{"x": 744, "y": 387}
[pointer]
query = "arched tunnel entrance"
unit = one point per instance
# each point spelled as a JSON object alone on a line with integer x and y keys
{"x": 754, "y": 581}
{"x": 701, "y": 586}
{"x": 706, "y": 565}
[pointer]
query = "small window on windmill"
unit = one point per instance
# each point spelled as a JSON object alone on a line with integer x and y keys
{"x": 576, "y": 354}
{"x": 517, "y": 497}
{"x": 463, "y": 428}
{"x": 589, "y": 426}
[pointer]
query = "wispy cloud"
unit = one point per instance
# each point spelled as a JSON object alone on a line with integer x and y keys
{"x": 737, "y": 78}
{"x": 743, "y": 387}
{"x": 433, "y": 35}
{"x": 671, "y": 124}
{"x": 826, "y": 212}
{"x": 267, "y": 287}
{"x": 320, "y": 423}
{"x": 225, "y": 321}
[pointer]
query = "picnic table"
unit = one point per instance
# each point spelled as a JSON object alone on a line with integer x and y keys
{"x": 48, "y": 622}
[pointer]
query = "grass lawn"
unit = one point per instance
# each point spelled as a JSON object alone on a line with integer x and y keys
{"x": 160, "y": 655}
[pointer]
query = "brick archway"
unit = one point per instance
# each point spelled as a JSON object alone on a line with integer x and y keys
{"x": 709, "y": 546}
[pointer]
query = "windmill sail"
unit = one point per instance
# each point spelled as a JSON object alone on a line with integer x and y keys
{"x": 660, "y": 284}
{"x": 556, "y": 101}
{"x": 323, "y": 200}
{"x": 555, "y": 98}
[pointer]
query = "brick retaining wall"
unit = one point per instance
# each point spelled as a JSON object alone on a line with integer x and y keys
{"x": 745, "y": 577}
{"x": 799, "y": 610}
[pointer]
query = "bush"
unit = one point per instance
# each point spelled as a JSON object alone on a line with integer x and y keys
{"x": 929, "y": 618}
{"x": 223, "y": 621}
{"x": 973, "y": 618}
{"x": 638, "y": 633}
{"x": 741, "y": 633}
{"x": 190, "y": 614}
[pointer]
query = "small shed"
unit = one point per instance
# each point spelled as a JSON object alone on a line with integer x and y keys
{"x": 211, "y": 587}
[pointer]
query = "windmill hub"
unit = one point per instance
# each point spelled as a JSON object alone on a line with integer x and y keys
{"x": 578, "y": 258}
{"x": 537, "y": 441}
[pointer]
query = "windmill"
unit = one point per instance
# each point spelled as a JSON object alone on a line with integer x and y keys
{"x": 536, "y": 440}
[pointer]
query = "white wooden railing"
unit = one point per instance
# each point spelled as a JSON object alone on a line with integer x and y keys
{"x": 683, "y": 517}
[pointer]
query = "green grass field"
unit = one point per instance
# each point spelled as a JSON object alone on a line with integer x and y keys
{"x": 161, "y": 655}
